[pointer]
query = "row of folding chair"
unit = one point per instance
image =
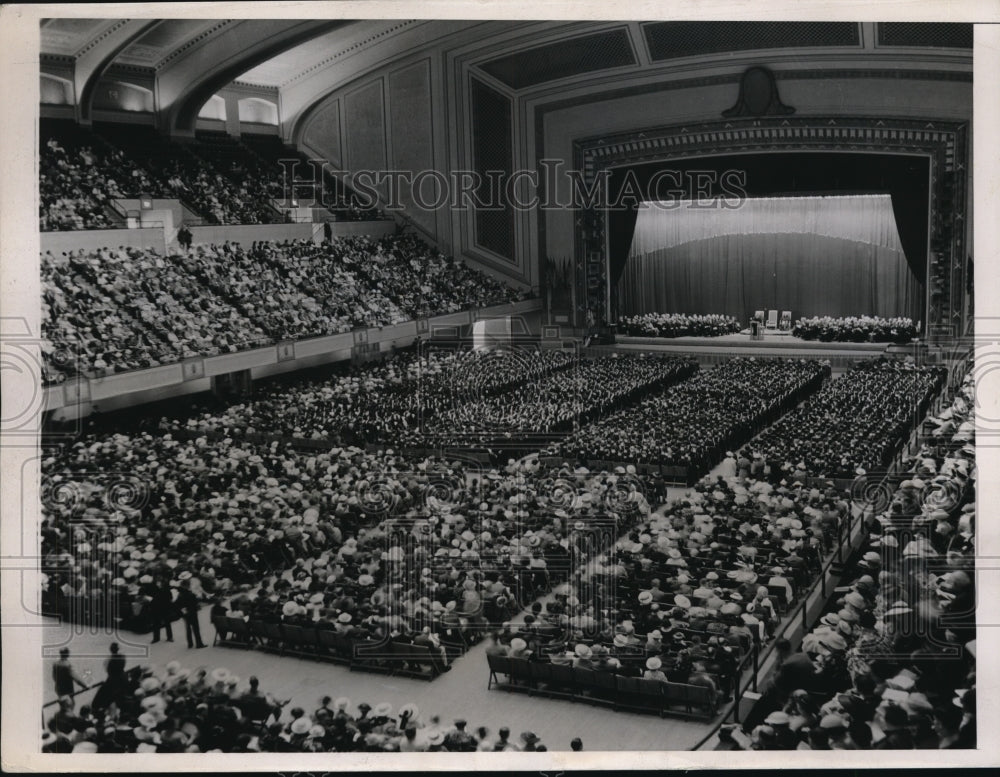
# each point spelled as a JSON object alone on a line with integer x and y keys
{"x": 601, "y": 688}
{"x": 306, "y": 641}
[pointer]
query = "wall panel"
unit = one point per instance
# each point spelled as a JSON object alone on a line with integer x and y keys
{"x": 411, "y": 131}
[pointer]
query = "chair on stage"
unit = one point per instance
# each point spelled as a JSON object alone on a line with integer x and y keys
{"x": 772, "y": 319}
{"x": 786, "y": 321}
{"x": 758, "y": 315}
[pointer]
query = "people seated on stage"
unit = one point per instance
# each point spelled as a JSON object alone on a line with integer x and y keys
{"x": 692, "y": 423}
{"x": 129, "y": 308}
{"x": 891, "y": 664}
{"x": 678, "y": 325}
{"x": 852, "y": 427}
{"x": 857, "y": 329}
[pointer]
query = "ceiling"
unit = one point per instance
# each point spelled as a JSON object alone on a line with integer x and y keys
{"x": 161, "y": 41}
{"x": 522, "y": 56}
{"x": 291, "y": 65}
{"x": 68, "y": 37}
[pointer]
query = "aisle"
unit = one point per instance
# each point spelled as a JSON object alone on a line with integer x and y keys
{"x": 458, "y": 693}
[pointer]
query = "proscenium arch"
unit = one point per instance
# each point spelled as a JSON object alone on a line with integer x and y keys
{"x": 185, "y": 86}
{"x": 944, "y": 143}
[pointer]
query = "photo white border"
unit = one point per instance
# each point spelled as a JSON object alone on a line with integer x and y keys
{"x": 19, "y": 287}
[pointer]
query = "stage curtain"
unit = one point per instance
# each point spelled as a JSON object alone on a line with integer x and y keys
{"x": 838, "y": 256}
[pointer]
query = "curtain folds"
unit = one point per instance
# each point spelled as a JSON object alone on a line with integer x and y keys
{"x": 838, "y": 256}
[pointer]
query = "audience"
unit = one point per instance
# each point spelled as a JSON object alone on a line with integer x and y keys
{"x": 853, "y": 426}
{"x": 223, "y": 179}
{"x": 588, "y": 390}
{"x": 130, "y": 308}
{"x": 75, "y": 186}
{"x": 690, "y": 589}
{"x": 183, "y": 710}
{"x": 692, "y": 423}
{"x": 381, "y": 401}
{"x": 368, "y": 539}
{"x": 891, "y": 665}
{"x": 440, "y": 553}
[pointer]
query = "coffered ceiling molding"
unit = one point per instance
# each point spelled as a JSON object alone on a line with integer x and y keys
{"x": 954, "y": 36}
{"x": 674, "y": 40}
{"x": 604, "y": 50}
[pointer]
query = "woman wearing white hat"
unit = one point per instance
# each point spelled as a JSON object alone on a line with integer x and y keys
{"x": 654, "y": 670}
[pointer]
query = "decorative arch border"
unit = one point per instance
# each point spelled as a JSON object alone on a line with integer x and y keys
{"x": 944, "y": 143}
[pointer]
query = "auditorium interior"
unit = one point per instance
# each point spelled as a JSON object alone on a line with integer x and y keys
{"x": 421, "y": 385}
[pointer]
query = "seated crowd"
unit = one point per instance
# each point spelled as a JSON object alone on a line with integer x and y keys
{"x": 853, "y": 426}
{"x": 678, "y": 325}
{"x": 76, "y": 185}
{"x": 287, "y": 535}
{"x": 82, "y": 172}
{"x": 590, "y": 389}
{"x": 892, "y": 664}
{"x": 688, "y": 591}
{"x": 378, "y": 401}
{"x": 130, "y": 308}
{"x": 109, "y": 310}
{"x": 691, "y": 423}
{"x": 202, "y": 710}
{"x": 437, "y": 553}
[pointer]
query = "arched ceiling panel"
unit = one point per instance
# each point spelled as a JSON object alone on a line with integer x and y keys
{"x": 185, "y": 83}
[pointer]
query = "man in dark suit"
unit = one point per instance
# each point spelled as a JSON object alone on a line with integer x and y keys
{"x": 160, "y": 609}
{"x": 795, "y": 671}
{"x": 189, "y": 606}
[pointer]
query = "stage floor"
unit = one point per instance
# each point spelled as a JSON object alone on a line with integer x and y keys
{"x": 712, "y": 350}
{"x": 769, "y": 340}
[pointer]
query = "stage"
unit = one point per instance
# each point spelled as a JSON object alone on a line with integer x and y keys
{"x": 711, "y": 350}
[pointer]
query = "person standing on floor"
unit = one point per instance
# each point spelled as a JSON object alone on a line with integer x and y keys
{"x": 160, "y": 609}
{"x": 115, "y": 685}
{"x": 189, "y": 606}
{"x": 64, "y": 676}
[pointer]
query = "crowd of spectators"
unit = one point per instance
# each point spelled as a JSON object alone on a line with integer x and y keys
{"x": 222, "y": 179}
{"x": 692, "y": 423}
{"x": 892, "y": 663}
{"x": 283, "y": 533}
{"x": 378, "y": 401}
{"x": 182, "y": 710}
{"x": 373, "y": 545}
{"x": 130, "y": 308}
{"x": 77, "y": 185}
{"x": 588, "y": 390}
{"x": 852, "y": 427}
{"x": 678, "y": 325}
{"x": 856, "y": 329}
{"x": 692, "y": 588}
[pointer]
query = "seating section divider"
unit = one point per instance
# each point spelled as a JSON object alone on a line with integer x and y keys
{"x": 398, "y": 659}
{"x": 601, "y": 688}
